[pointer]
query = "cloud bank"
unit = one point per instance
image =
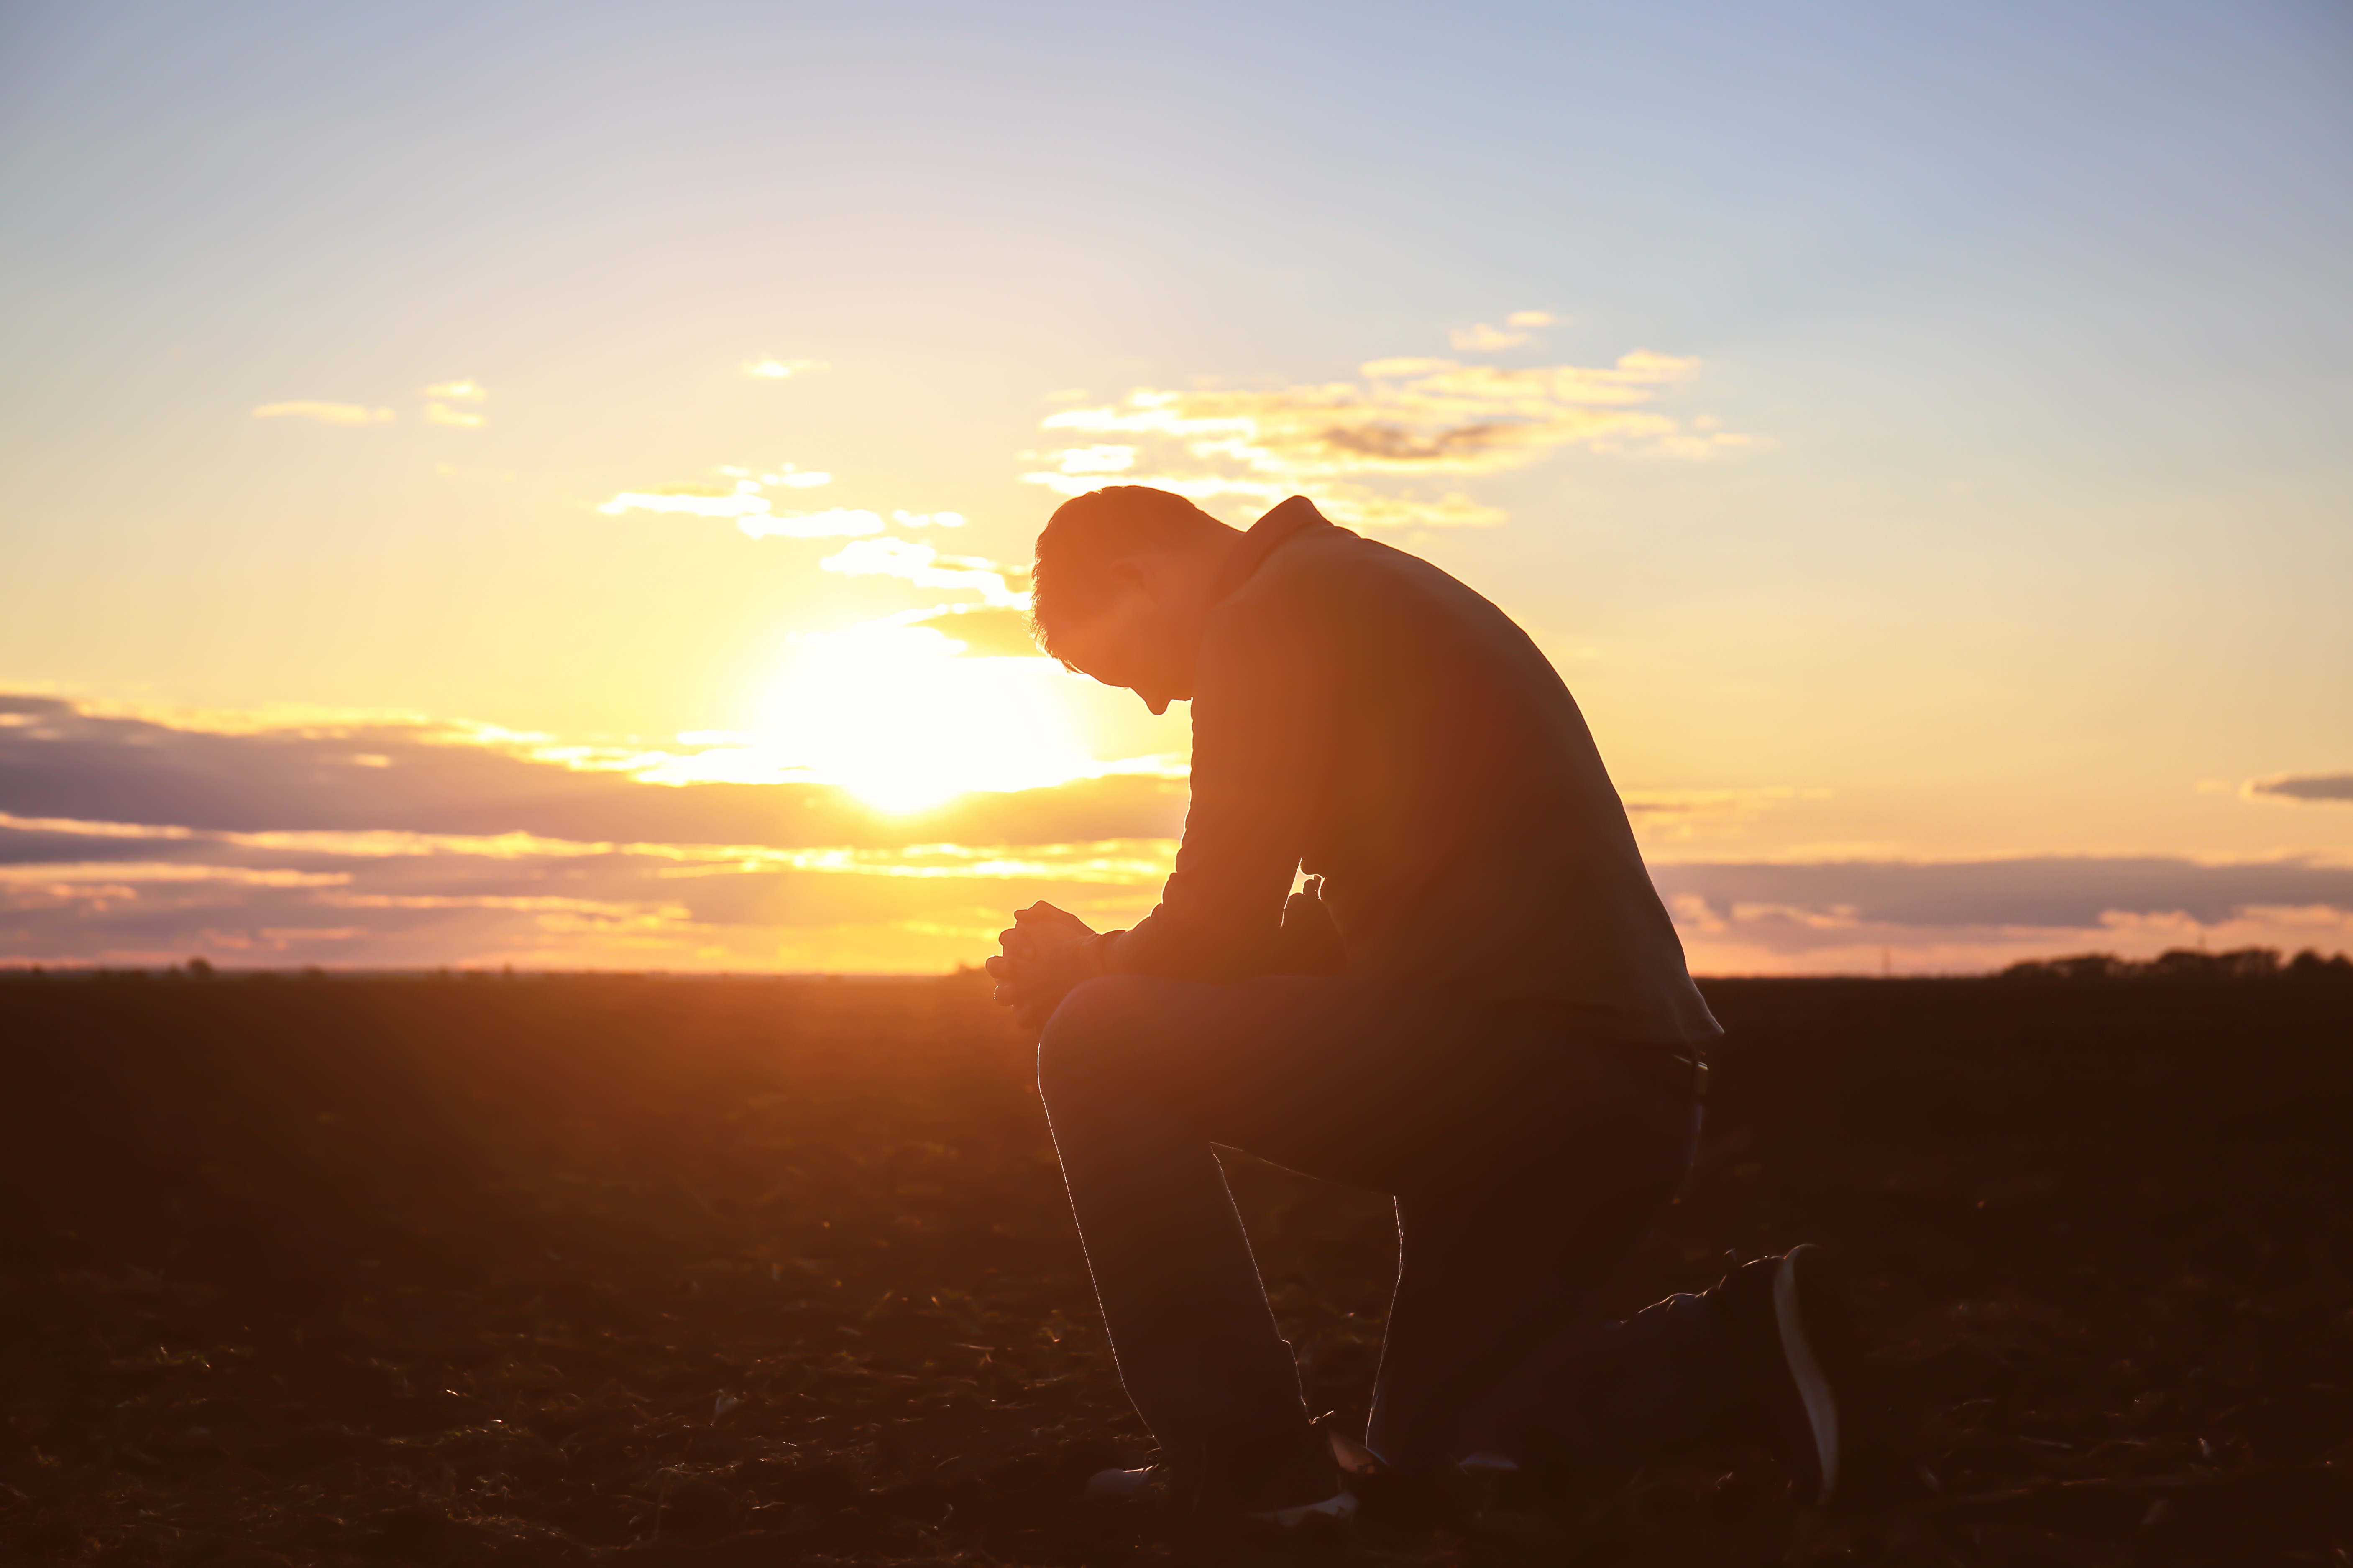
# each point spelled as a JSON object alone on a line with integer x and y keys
{"x": 1370, "y": 450}
{"x": 145, "y": 838}
{"x": 326, "y": 413}
{"x": 136, "y": 837}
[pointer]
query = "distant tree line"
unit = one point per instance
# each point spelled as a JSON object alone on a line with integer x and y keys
{"x": 2186, "y": 964}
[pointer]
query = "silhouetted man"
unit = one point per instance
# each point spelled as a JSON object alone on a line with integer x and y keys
{"x": 1481, "y": 1008}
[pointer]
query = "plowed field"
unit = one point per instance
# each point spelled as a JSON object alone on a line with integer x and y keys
{"x": 577, "y": 1270}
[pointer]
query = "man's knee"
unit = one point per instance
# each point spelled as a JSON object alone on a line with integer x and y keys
{"x": 1085, "y": 1038}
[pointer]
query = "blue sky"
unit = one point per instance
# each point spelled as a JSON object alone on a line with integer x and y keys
{"x": 1996, "y": 507}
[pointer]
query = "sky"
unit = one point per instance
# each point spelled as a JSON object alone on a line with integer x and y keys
{"x": 548, "y": 486}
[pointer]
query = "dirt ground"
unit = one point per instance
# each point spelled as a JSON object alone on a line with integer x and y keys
{"x": 471, "y": 1270}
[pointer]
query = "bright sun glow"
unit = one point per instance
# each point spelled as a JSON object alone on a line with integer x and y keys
{"x": 893, "y": 714}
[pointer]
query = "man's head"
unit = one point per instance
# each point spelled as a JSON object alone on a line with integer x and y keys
{"x": 1124, "y": 582}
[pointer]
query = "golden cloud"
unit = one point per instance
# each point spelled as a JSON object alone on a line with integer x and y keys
{"x": 783, "y": 369}
{"x": 463, "y": 419}
{"x": 326, "y": 413}
{"x": 466, "y": 391}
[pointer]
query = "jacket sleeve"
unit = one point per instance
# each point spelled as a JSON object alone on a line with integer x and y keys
{"x": 1264, "y": 714}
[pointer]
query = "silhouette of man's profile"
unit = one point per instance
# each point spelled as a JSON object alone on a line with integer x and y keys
{"x": 1475, "y": 1003}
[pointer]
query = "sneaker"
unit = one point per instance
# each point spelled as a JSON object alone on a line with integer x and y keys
{"x": 1785, "y": 1318}
{"x": 1446, "y": 1498}
{"x": 1286, "y": 1481}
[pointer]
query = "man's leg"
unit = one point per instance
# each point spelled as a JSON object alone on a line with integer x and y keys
{"x": 1196, "y": 1345}
{"x": 1489, "y": 1274}
{"x": 1530, "y": 1168}
{"x": 1766, "y": 1353}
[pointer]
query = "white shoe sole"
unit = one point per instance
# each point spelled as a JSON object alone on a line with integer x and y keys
{"x": 1130, "y": 1486}
{"x": 1806, "y": 1372}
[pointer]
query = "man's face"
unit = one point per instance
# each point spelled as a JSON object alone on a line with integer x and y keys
{"x": 1143, "y": 640}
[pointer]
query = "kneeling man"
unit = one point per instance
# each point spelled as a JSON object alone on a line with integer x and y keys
{"x": 1476, "y": 1003}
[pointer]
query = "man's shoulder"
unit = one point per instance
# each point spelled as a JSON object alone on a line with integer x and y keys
{"x": 1337, "y": 566}
{"x": 1337, "y": 588}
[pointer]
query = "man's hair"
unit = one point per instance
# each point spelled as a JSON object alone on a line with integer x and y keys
{"x": 1090, "y": 534}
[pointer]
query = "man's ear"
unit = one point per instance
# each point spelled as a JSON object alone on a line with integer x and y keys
{"x": 1136, "y": 575}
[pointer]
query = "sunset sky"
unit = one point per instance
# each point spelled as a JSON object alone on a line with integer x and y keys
{"x": 548, "y": 485}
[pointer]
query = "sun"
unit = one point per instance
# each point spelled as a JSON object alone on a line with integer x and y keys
{"x": 897, "y": 716}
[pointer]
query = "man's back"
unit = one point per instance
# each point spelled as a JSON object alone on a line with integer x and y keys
{"x": 1357, "y": 710}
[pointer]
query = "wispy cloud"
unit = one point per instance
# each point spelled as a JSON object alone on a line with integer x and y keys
{"x": 744, "y": 501}
{"x": 468, "y": 390}
{"x": 783, "y": 369}
{"x": 1075, "y": 461}
{"x": 1662, "y": 814}
{"x": 370, "y": 844}
{"x": 51, "y": 874}
{"x": 840, "y": 522}
{"x": 2302, "y": 788}
{"x": 1125, "y": 862}
{"x": 1404, "y": 420}
{"x": 740, "y": 498}
{"x": 926, "y": 568}
{"x": 1518, "y": 327}
{"x": 785, "y": 476}
{"x": 326, "y": 413}
{"x": 754, "y": 513}
{"x": 460, "y": 418}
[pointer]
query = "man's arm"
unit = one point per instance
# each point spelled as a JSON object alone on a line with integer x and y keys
{"x": 1265, "y": 710}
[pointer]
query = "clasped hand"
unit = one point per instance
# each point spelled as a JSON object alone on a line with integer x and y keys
{"x": 1040, "y": 961}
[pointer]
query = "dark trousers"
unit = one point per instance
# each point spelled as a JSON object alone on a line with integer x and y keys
{"x": 1526, "y": 1167}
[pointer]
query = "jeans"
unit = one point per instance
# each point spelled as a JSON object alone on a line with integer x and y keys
{"x": 1525, "y": 1165}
